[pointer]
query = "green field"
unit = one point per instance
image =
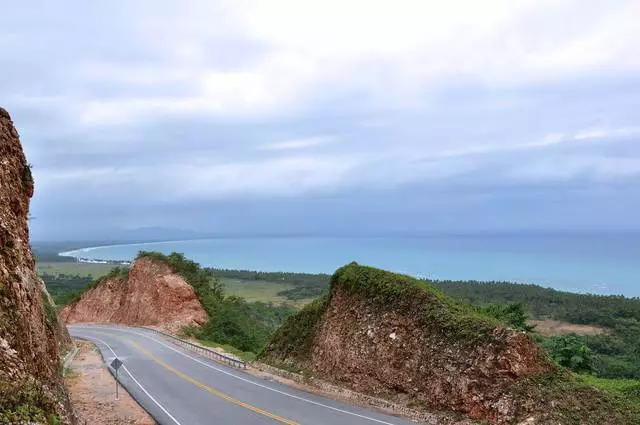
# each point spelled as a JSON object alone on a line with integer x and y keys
{"x": 74, "y": 268}
{"x": 262, "y": 290}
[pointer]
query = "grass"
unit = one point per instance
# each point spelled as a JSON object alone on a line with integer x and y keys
{"x": 247, "y": 356}
{"x": 262, "y": 290}
{"x": 453, "y": 319}
{"x": 75, "y": 268}
{"x": 627, "y": 388}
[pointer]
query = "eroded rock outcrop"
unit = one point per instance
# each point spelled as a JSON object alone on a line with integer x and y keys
{"x": 31, "y": 336}
{"x": 394, "y": 337}
{"x": 150, "y": 294}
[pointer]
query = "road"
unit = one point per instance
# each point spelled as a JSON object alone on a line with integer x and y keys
{"x": 179, "y": 387}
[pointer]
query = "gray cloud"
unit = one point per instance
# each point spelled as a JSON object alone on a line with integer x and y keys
{"x": 217, "y": 115}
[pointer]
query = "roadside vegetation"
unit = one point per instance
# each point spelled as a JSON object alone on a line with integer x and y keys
{"x": 232, "y": 320}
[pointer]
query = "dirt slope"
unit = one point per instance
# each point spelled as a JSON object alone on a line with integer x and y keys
{"x": 151, "y": 294}
{"x": 394, "y": 337}
{"x": 31, "y": 337}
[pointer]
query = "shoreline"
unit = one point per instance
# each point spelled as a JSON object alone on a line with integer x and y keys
{"x": 73, "y": 252}
{"x": 563, "y": 274}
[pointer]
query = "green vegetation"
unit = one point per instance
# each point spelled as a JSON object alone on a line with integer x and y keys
{"x": 66, "y": 281}
{"x": 294, "y": 339}
{"x": 247, "y": 356}
{"x": 232, "y": 320}
{"x": 454, "y": 319}
{"x": 259, "y": 290}
{"x": 512, "y": 314}
{"x": 578, "y": 400}
{"x": 615, "y": 353}
{"x": 50, "y": 314}
{"x": 25, "y": 405}
{"x": 65, "y": 289}
{"x": 27, "y": 176}
{"x": 297, "y": 286}
{"x": 626, "y": 388}
{"x": 569, "y": 351}
{"x": 73, "y": 268}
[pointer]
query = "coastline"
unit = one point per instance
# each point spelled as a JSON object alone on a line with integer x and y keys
{"x": 550, "y": 263}
{"x": 74, "y": 252}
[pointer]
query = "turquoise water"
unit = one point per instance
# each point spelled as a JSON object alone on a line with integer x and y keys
{"x": 604, "y": 264}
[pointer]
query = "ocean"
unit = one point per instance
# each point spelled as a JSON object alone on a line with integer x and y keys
{"x": 601, "y": 264}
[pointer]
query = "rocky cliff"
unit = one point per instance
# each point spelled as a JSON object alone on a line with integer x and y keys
{"x": 31, "y": 337}
{"x": 397, "y": 338}
{"x": 149, "y": 294}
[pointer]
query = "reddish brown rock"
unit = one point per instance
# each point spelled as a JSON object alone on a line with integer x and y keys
{"x": 31, "y": 336}
{"x": 390, "y": 350}
{"x": 397, "y": 338}
{"x": 151, "y": 295}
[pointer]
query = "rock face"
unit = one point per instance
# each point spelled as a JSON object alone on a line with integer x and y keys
{"x": 151, "y": 294}
{"x": 31, "y": 337}
{"x": 394, "y": 337}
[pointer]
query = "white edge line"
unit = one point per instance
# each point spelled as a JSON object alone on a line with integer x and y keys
{"x": 136, "y": 381}
{"x": 248, "y": 380}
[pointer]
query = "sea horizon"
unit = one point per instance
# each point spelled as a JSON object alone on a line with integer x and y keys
{"x": 600, "y": 264}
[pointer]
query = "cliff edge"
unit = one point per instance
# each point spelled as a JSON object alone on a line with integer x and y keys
{"x": 148, "y": 294}
{"x": 31, "y": 336}
{"x": 401, "y": 339}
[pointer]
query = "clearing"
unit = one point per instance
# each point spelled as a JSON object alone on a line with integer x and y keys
{"x": 556, "y": 327}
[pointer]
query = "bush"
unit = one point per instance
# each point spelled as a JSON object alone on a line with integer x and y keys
{"x": 511, "y": 314}
{"x": 571, "y": 352}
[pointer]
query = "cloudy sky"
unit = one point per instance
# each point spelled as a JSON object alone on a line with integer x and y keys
{"x": 333, "y": 116}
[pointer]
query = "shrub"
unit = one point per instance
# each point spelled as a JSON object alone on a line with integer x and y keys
{"x": 571, "y": 352}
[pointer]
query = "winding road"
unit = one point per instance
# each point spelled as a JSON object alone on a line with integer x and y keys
{"x": 179, "y": 387}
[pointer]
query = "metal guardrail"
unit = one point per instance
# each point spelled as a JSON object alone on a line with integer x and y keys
{"x": 199, "y": 349}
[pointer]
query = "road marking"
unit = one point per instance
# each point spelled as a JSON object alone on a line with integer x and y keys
{"x": 211, "y": 390}
{"x": 135, "y": 380}
{"x": 248, "y": 380}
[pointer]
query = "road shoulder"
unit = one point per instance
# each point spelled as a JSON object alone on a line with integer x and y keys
{"x": 92, "y": 391}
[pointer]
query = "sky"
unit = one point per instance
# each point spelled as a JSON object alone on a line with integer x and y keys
{"x": 326, "y": 117}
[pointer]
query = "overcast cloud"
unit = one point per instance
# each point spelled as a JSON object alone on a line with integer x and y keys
{"x": 326, "y": 116}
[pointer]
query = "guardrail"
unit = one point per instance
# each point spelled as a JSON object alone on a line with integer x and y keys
{"x": 199, "y": 349}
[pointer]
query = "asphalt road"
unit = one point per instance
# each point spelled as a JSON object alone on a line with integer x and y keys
{"x": 178, "y": 387}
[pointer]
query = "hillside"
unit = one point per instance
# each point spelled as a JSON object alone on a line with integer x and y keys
{"x": 395, "y": 337}
{"x": 150, "y": 293}
{"x": 31, "y": 337}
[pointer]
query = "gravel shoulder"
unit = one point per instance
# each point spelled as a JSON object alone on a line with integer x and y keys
{"x": 92, "y": 391}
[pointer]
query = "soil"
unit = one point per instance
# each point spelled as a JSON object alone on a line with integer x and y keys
{"x": 92, "y": 391}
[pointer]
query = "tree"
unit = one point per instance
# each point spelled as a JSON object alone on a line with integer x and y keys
{"x": 513, "y": 314}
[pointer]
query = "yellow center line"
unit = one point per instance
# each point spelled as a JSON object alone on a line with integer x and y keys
{"x": 212, "y": 390}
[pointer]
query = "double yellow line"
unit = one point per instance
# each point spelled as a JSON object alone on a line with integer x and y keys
{"x": 212, "y": 390}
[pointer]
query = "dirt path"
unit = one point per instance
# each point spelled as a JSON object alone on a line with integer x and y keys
{"x": 92, "y": 391}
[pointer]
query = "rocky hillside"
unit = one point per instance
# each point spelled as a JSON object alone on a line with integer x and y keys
{"x": 398, "y": 338}
{"x": 150, "y": 293}
{"x": 31, "y": 337}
